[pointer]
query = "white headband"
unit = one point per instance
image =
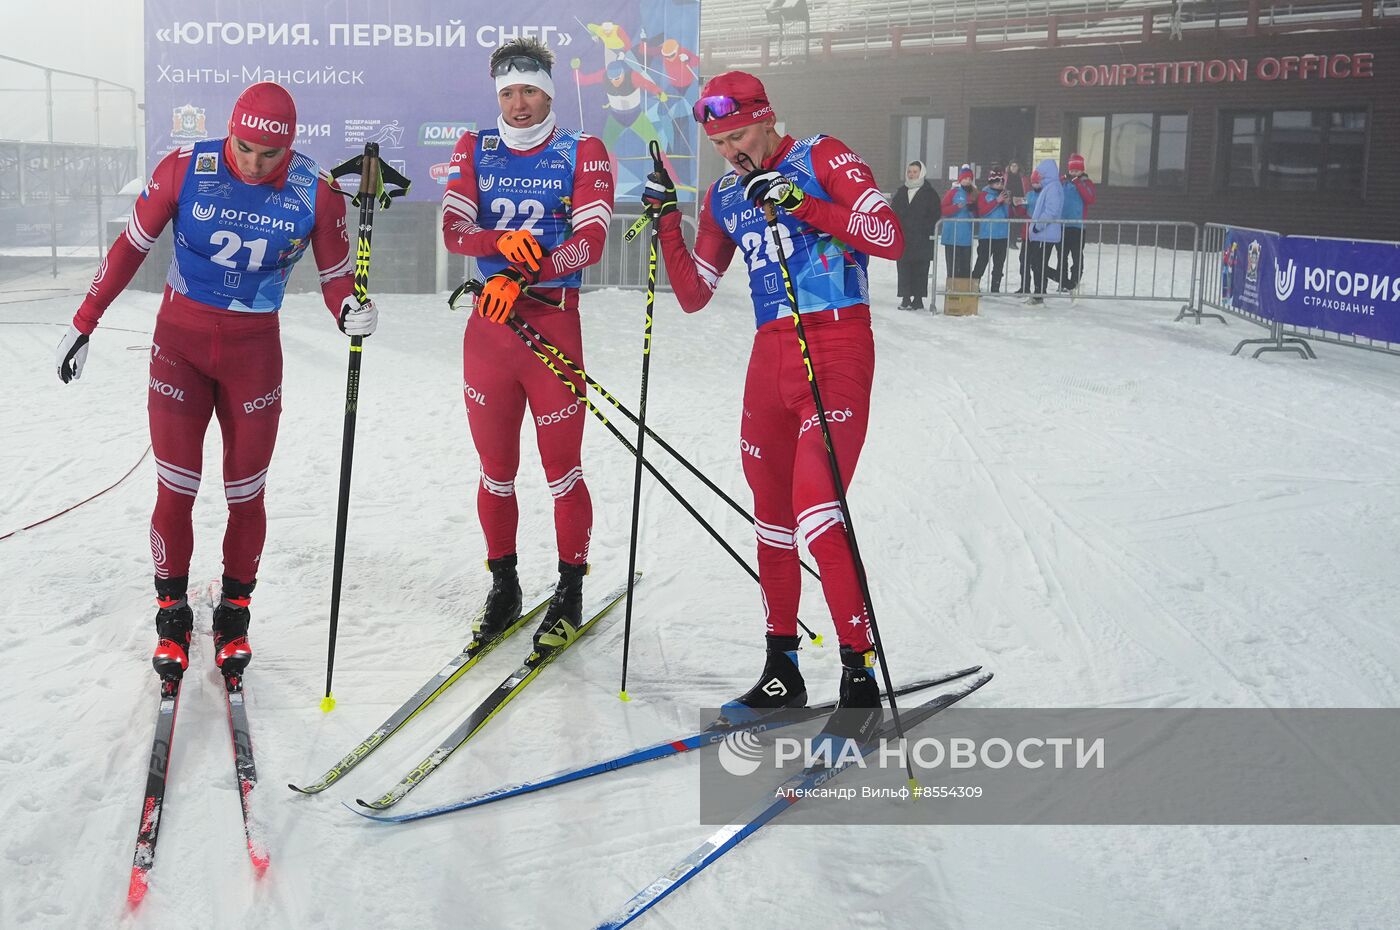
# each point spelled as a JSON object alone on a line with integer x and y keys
{"x": 540, "y": 79}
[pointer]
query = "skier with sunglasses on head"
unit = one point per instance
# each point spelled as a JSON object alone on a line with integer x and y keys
{"x": 531, "y": 202}
{"x": 831, "y": 217}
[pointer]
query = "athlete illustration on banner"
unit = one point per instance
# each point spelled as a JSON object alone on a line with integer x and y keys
{"x": 649, "y": 84}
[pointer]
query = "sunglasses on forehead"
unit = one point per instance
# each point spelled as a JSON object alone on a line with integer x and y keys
{"x": 714, "y": 107}
{"x": 518, "y": 63}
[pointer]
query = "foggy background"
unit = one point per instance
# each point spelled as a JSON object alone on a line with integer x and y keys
{"x": 101, "y": 39}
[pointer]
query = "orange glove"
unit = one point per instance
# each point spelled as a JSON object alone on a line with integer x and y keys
{"x": 519, "y": 247}
{"x": 499, "y": 293}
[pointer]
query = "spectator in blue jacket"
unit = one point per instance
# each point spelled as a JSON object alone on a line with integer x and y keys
{"x": 1045, "y": 227}
{"x": 1080, "y": 194}
{"x": 994, "y": 207}
{"x": 959, "y": 210}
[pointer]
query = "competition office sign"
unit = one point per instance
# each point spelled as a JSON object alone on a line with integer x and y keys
{"x": 1345, "y": 66}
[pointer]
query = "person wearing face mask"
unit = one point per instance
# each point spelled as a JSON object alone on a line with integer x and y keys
{"x": 916, "y": 205}
{"x": 244, "y": 209}
{"x": 831, "y": 216}
{"x": 531, "y": 202}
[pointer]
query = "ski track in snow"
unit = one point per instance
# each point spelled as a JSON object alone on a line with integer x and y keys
{"x": 1103, "y": 507}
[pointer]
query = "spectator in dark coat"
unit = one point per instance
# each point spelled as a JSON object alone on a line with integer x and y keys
{"x": 1016, "y": 186}
{"x": 916, "y": 205}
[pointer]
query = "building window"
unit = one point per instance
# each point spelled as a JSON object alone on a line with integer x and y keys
{"x": 1134, "y": 149}
{"x": 1170, "y": 170}
{"x": 921, "y": 139}
{"x": 1294, "y": 150}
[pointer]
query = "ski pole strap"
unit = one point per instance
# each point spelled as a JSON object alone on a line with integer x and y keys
{"x": 473, "y": 286}
{"x": 470, "y": 286}
{"x": 389, "y": 184}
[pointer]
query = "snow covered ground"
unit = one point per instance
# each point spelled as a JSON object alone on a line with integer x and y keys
{"x": 1102, "y": 506}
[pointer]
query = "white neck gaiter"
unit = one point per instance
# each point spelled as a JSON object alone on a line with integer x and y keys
{"x": 522, "y": 140}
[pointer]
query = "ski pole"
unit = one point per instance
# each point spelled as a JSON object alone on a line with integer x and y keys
{"x": 652, "y": 434}
{"x": 542, "y": 349}
{"x": 372, "y": 175}
{"x": 622, "y": 408}
{"x": 655, "y": 150}
{"x": 770, "y": 213}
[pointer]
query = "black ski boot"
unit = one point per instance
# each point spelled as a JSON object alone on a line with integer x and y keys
{"x": 503, "y": 603}
{"x": 565, "y": 614}
{"x": 858, "y": 714}
{"x": 231, "y": 650}
{"x": 779, "y": 686}
{"x": 174, "y": 623}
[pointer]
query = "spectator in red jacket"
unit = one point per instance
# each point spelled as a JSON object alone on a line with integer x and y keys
{"x": 1080, "y": 195}
{"x": 959, "y": 209}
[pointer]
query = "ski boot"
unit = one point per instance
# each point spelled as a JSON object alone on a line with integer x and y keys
{"x": 231, "y": 650}
{"x": 858, "y": 714}
{"x": 779, "y": 686}
{"x": 503, "y": 603}
{"x": 174, "y": 623}
{"x": 564, "y": 616}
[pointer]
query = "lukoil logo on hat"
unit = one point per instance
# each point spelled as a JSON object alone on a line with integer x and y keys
{"x": 264, "y": 115}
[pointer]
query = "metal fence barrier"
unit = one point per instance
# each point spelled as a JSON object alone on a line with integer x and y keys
{"x": 1283, "y": 337}
{"x": 1117, "y": 259}
{"x": 1210, "y": 292}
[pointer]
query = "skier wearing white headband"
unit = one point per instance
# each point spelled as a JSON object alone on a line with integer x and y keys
{"x": 531, "y": 203}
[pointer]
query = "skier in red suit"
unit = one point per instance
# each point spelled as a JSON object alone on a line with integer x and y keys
{"x": 531, "y": 202}
{"x": 831, "y": 217}
{"x": 244, "y": 210}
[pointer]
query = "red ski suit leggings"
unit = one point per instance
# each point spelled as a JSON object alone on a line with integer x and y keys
{"x": 207, "y": 361}
{"x": 786, "y": 463}
{"x": 500, "y": 374}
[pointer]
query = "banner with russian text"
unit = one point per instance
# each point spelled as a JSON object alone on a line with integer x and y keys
{"x": 414, "y": 79}
{"x": 1343, "y": 286}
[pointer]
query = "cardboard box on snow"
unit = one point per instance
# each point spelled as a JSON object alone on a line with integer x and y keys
{"x": 961, "y": 304}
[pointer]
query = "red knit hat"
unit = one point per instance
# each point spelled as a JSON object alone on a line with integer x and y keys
{"x": 731, "y": 101}
{"x": 1076, "y": 162}
{"x": 965, "y": 174}
{"x": 264, "y": 115}
{"x": 1035, "y": 176}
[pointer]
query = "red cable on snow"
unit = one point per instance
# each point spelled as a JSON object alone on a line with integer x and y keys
{"x": 82, "y": 502}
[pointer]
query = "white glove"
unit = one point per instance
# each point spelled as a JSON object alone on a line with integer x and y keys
{"x": 71, "y": 354}
{"x": 358, "y": 319}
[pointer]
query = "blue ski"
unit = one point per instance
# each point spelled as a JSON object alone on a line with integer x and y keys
{"x": 707, "y": 737}
{"x": 786, "y": 795}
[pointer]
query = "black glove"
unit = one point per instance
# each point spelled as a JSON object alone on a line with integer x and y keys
{"x": 768, "y": 186}
{"x": 660, "y": 194}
